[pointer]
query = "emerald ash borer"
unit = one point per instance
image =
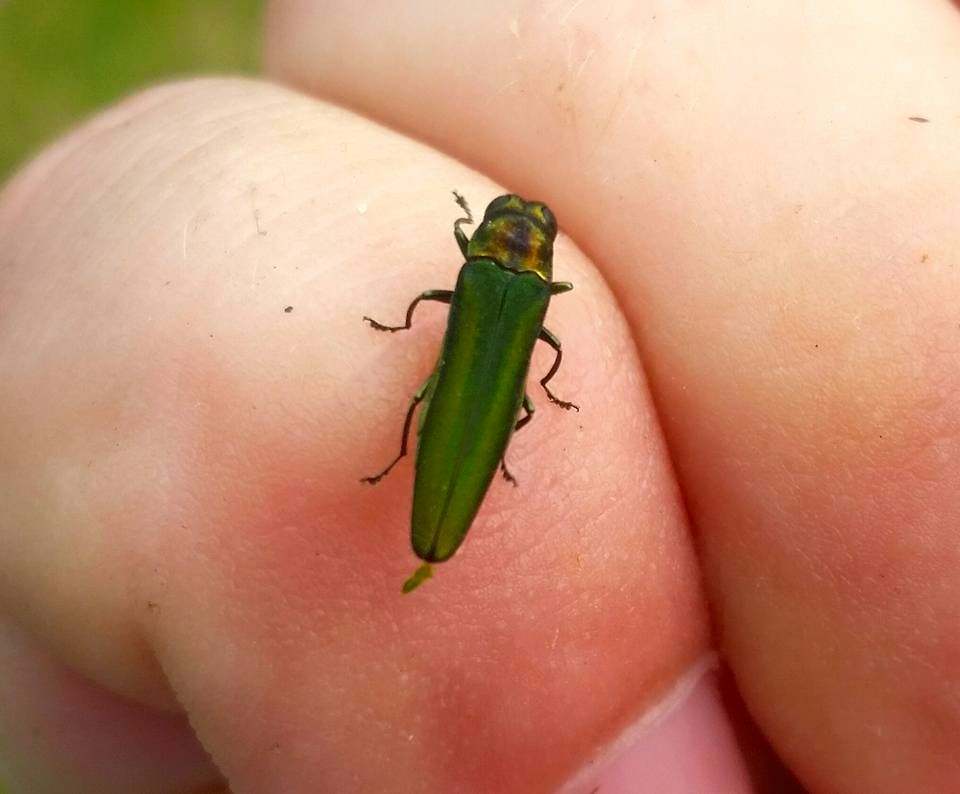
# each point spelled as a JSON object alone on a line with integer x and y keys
{"x": 471, "y": 402}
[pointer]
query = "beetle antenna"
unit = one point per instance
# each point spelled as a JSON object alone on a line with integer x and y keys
{"x": 465, "y": 207}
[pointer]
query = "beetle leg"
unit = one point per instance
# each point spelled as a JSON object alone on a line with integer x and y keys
{"x": 529, "y": 407}
{"x": 550, "y": 339}
{"x": 461, "y": 236}
{"x": 521, "y": 422}
{"x": 417, "y": 399}
{"x": 441, "y": 295}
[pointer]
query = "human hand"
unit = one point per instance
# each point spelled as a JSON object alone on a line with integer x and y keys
{"x": 182, "y": 521}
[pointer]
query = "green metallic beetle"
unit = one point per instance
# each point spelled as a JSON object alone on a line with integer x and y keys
{"x": 474, "y": 394}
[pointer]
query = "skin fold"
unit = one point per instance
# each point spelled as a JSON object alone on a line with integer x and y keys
{"x": 763, "y": 341}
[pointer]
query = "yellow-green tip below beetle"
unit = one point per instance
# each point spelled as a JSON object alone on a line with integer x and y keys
{"x": 472, "y": 400}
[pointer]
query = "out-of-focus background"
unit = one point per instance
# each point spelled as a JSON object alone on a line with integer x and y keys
{"x": 62, "y": 59}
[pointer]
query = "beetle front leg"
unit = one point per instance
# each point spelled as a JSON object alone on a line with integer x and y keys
{"x": 550, "y": 339}
{"x": 441, "y": 295}
{"x": 417, "y": 399}
{"x": 521, "y": 422}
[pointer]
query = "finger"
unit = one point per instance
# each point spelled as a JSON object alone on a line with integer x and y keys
{"x": 186, "y": 452}
{"x": 779, "y": 226}
{"x": 60, "y": 732}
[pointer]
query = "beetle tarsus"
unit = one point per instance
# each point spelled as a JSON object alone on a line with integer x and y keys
{"x": 562, "y": 403}
{"x": 403, "y": 452}
{"x": 377, "y": 477}
{"x": 381, "y": 327}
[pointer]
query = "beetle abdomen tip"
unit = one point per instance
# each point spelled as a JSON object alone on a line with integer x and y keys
{"x": 420, "y": 575}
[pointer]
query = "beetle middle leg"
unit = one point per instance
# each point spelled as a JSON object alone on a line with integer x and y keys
{"x": 417, "y": 399}
{"x": 441, "y": 295}
{"x": 527, "y": 406}
{"x": 550, "y": 339}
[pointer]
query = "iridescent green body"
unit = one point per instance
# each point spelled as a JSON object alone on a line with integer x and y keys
{"x": 475, "y": 393}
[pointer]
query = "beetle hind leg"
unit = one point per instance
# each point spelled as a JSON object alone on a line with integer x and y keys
{"x": 417, "y": 399}
{"x": 552, "y": 340}
{"x": 527, "y": 406}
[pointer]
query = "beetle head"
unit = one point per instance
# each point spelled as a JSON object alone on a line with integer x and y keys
{"x": 517, "y": 234}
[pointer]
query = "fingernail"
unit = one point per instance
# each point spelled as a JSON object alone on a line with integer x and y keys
{"x": 690, "y": 748}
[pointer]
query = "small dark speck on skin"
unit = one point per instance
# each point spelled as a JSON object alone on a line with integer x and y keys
{"x": 153, "y": 606}
{"x": 919, "y": 119}
{"x": 924, "y": 258}
{"x": 288, "y": 309}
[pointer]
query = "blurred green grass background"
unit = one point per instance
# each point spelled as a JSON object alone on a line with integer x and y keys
{"x": 62, "y": 59}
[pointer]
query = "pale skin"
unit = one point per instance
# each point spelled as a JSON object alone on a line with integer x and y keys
{"x": 763, "y": 339}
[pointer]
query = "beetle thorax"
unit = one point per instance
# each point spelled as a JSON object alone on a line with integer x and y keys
{"x": 516, "y": 243}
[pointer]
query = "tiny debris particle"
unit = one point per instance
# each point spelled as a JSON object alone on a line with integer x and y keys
{"x": 288, "y": 309}
{"x": 919, "y": 119}
{"x": 362, "y": 208}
